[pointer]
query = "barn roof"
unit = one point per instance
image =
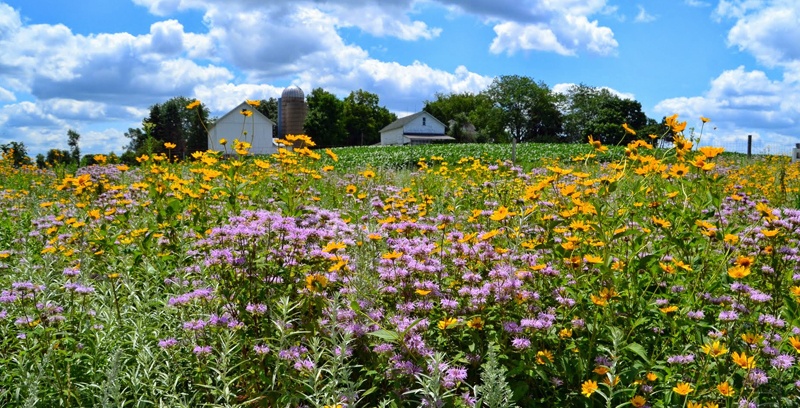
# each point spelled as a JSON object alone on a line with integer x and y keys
{"x": 238, "y": 109}
{"x": 406, "y": 120}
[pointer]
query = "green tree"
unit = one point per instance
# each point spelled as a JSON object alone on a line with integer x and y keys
{"x": 72, "y": 141}
{"x": 363, "y": 118}
{"x": 465, "y": 115}
{"x": 528, "y": 109}
{"x": 197, "y": 138}
{"x": 55, "y": 157}
{"x": 269, "y": 108}
{"x": 324, "y": 123}
{"x": 172, "y": 122}
{"x": 17, "y": 152}
{"x": 601, "y": 113}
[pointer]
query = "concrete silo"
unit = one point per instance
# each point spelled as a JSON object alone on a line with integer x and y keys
{"x": 292, "y": 111}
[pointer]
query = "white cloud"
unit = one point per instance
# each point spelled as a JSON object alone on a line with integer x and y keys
{"x": 643, "y": 16}
{"x": 562, "y": 88}
{"x": 6, "y": 95}
{"x": 770, "y": 34}
{"x": 743, "y": 102}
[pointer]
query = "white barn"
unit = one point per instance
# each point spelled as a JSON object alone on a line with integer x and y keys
{"x": 232, "y": 126}
{"x": 419, "y": 128}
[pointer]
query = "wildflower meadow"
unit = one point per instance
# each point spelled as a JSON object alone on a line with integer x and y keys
{"x": 581, "y": 276}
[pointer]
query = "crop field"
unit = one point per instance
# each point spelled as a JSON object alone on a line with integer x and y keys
{"x": 436, "y": 276}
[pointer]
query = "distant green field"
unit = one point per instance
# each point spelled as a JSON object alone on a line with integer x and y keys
{"x": 398, "y": 157}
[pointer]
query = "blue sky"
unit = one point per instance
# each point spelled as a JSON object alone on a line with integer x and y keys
{"x": 96, "y": 66}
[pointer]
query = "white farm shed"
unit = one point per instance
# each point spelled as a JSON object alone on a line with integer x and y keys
{"x": 234, "y": 124}
{"x": 419, "y": 128}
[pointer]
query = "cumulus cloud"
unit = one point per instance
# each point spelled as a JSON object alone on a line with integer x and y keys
{"x": 561, "y": 27}
{"x": 770, "y": 34}
{"x": 643, "y": 16}
{"x": 740, "y": 102}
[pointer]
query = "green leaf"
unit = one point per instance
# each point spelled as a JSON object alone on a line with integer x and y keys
{"x": 388, "y": 335}
{"x": 639, "y": 350}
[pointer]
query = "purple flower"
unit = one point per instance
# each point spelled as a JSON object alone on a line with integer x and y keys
{"x": 695, "y": 314}
{"x": 304, "y": 364}
{"x": 201, "y": 350}
{"x": 782, "y": 362}
{"x": 167, "y": 343}
{"x": 681, "y": 359}
{"x": 261, "y": 349}
{"x": 728, "y": 315}
{"x": 520, "y": 343}
{"x": 454, "y": 376}
{"x": 757, "y": 377}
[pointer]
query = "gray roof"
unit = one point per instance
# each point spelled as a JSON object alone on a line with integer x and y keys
{"x": 237, "y": 111}
{"x": 293, "y": 92}
{"x": 406, "y": 120}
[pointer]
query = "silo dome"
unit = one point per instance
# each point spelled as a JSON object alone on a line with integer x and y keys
{"x": 293, "y": 92}
{"x": 292, "y": 112}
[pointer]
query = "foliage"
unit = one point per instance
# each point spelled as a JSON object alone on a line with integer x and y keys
{"x": 16, "y": 152}
{"x": 175, "y": 122}
{"x": 325, "y": 121}
{"x": 600, "y": 113}
{"x": 527, "y": 108}
{"x": 617, "y": 277}
{"x": 73, "y": 138}
{"x": 364, "y": 118}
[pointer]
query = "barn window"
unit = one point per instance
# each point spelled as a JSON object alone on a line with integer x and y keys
{"x": 423, "y": 121}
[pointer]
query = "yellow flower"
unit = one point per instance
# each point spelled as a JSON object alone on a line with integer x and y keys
{"x": 725, "y": 389}
{"x": 651, "y": 376}
{"x": 447, "y": 323}
{"x": 711, "y": 152}
{"x": 742, "y": 360}
{"x": 368, "y": 174}
{"x": 593, "y": 259}
{"x": 599, "y": 301}
{"x": 601, "y": 370}
{"x": 704, "y": 119}
{"x": 541, "y": 355}
{"x": 770, "y": 233}
{"x": 597, "y": 145}
{"x": 350, "y": 189}
{"x": 751, "y": 338}
{"x": 678, "y": 170}
{"x": 476, "y": 323}
{"x": 795, "y": 343}
{"x": 113, "y": 275}
{"x": 588, "y": 388}
{"x": 661, "y": 222}
{"x": 565, "y": 333}
{"x": 693, "y": 404}
{"x": 254, "y": 103}
{"x": 422, "y": 292}
{"x": 246, "y": 112}
{"x": 683, "y": 388}
{"x": 392, "y": 255}
{"x": 638, "y": 401}
{"x": 715, "y": 349}
{"x": 223, "y": 141}
{"x": 193, "y": 105}
{"x": 332, "y": 155}
{"x": 315, "y": 282}
{"x": 169, "y": 145}
{"x": 738, "y": 272}
{"x": 500, "y": 214}
{"x": 333, "y": 246}
{"x": 669, "y": 309}
{"x": 628, "y": 129}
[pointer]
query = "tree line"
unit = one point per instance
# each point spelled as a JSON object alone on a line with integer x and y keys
{"x": 512, "y": 109}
